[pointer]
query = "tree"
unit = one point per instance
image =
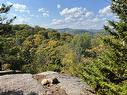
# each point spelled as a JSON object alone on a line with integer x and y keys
{"x": 108, "y": 73}
{"x": 80, "y": 43}
{"x": 117, "y": 42}
{"x": 113, "y": 62}
{"x": 5, "y": 29}
{"x": 4, "y": 22}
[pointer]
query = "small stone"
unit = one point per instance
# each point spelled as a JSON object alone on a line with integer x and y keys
{"x": 45, "y": 82}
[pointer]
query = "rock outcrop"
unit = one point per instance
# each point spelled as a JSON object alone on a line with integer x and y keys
{"x": 46, "y": 83}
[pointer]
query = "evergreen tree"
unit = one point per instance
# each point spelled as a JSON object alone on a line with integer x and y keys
{"x": 117, "y": 43}
{"x": 113, "y": 62}
{"x": 4, "y": 22}
{"x": 5, "y": 30}
{"x": 108, "y": 73}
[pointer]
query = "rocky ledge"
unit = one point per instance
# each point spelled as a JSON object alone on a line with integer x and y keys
{"x": 46, "y": 83}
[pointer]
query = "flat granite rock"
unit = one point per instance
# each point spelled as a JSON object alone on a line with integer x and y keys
{"x": 19, "y": 84}
{"x": 25, "y": 84}
{"x": 72, "y": 85}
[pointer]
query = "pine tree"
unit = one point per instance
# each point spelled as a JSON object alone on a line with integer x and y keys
{"x": 108, "y": 73}
{"x": 5, "y": 29}
{"x": 4, "y": 22}
{"x": 117, "y": 42}
{"x": 112, "y": 64}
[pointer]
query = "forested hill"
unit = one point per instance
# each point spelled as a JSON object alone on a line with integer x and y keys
{"x": 72, "y": 31}
{"x": 78, "y": 31}
{"x": 36, "y": 49}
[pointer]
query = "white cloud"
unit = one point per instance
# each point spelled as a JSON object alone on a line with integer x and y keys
{"x": 37, "y": 16}
{"x": 74, "y": 17}
{"x": 44, "y": 12}
{"x": 105, "y": 11}
{"x": 57, "y": 22}
{"x": 9, "y": 3}
{"x": 58, "y": 6}
{"x": 19, "y": 7}
{"x": 21, "y": 20}
{"x": 89, "y": 14}
{"x": 79, "y": 17}
{"x": 73, "y": 12}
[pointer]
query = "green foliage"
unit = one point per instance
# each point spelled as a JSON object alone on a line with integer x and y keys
{"x": 108, "y": 73}
{"x": 80, "y": 43}
{"x": 54, "y": 35}
{"x": 8, "y": 50}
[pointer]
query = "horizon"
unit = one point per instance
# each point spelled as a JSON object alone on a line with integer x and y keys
{"x": 58, "y": 14}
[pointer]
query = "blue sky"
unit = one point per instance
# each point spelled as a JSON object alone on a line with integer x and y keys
{"x": 85, "y": 14}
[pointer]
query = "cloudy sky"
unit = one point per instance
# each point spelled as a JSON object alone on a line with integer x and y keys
{"x": 83, "y": 14}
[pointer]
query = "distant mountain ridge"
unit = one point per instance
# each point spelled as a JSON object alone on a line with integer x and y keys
{"x": 78, "y": 31}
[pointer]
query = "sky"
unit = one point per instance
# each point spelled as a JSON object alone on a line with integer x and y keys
{"x": 77, "y": 14}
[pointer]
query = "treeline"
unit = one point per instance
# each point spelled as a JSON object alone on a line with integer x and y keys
{"x": 36, "y": 49}
{"x": 99, "y": 59}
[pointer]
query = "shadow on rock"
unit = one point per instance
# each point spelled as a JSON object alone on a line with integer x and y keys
{"x": 16, "y": 93}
